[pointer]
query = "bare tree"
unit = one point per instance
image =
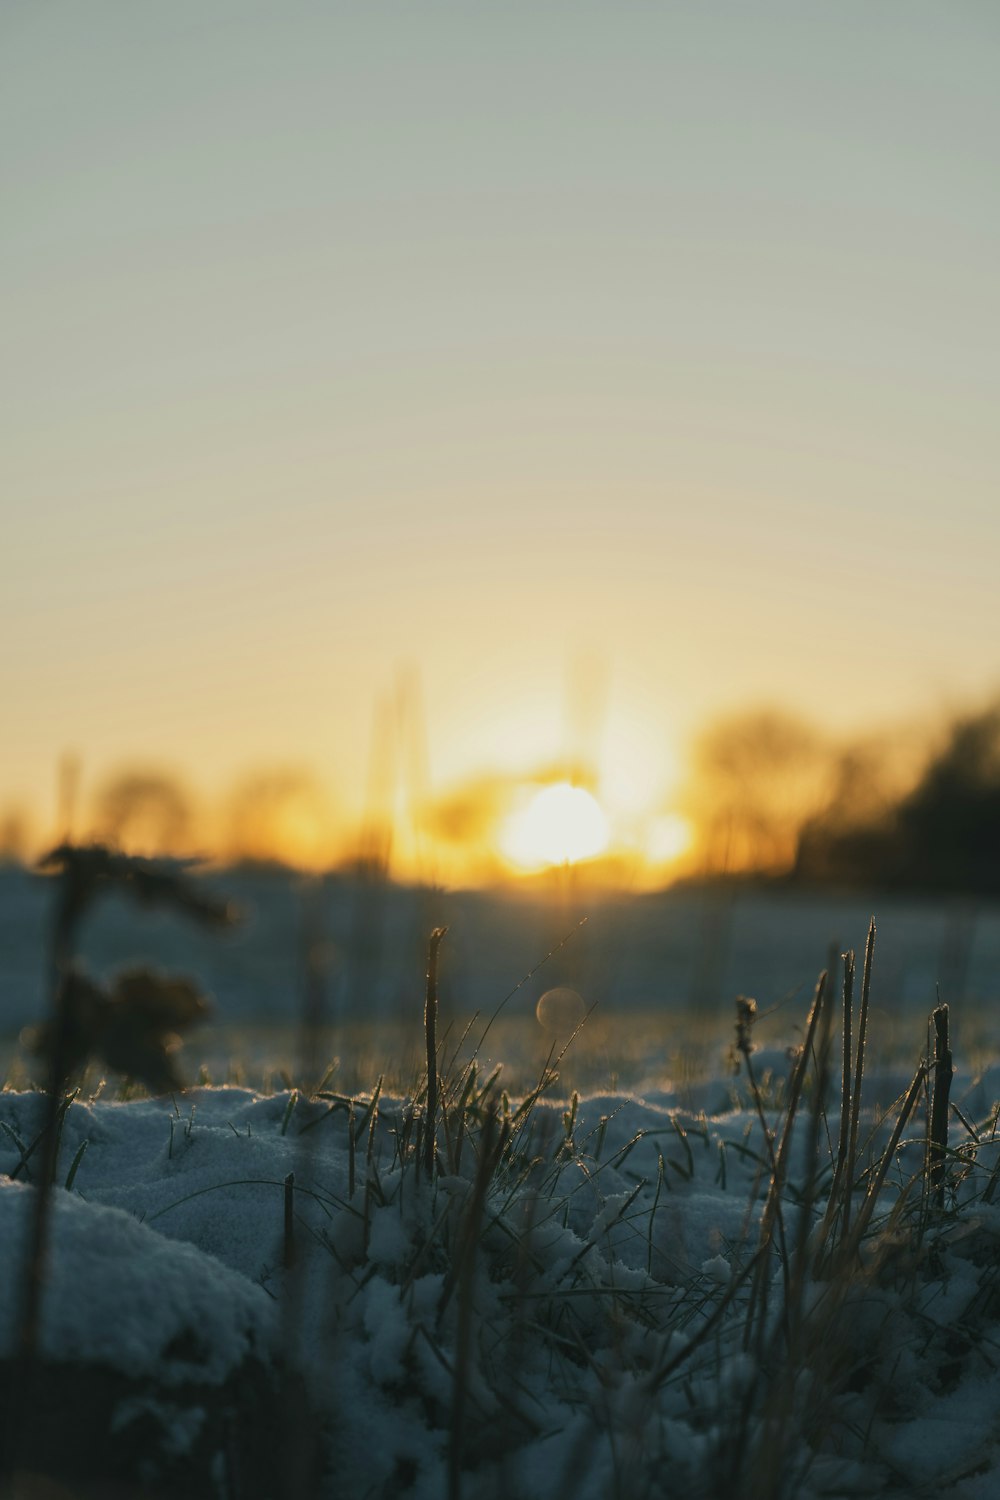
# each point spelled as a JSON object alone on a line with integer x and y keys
{"x": 759, "y": 776}
{"x": 145, "y": 811}
{"x": 280, "y": 813}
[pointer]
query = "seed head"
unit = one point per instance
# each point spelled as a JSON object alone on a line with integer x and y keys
{"x": 746, "y": 1014}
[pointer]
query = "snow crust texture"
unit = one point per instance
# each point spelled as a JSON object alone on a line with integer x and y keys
{"x": 573, "y": 1322}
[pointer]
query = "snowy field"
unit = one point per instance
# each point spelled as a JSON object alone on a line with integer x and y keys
{"x": 637, "y": 1264}
{"x": 245, "y": 1290}
{"x": 663, "y": 951}
{"x": 661, "y": 969}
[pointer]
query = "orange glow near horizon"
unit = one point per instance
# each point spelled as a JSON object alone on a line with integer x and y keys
{"x": 498, "y": 826}
{"x": 668, "y": 838}
{"x": 635, "y": 804}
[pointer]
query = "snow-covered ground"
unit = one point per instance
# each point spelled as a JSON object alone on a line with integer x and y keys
{"x": 599, "y": 1293}
{"x": 571, "y": 1322}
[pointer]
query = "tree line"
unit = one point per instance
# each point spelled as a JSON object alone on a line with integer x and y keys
{"x": 772, "y": 796}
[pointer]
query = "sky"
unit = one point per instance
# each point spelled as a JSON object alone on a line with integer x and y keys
{"x": 464, "y": 344}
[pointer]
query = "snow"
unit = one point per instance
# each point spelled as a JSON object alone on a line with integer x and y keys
{"x": 670, "y": 955}
{"x": 597, "y": 1264}
{"x": 119, "y": 1295}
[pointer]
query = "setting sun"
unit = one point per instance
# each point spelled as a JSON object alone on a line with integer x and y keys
{"x": 560, "y": 825}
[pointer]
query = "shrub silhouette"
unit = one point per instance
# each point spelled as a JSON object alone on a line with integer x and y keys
{"x": 943, "y": 837}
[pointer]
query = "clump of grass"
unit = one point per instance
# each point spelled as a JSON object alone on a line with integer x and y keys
{"x": 856, "y": 1240}
{"x": 836, "y": 1226}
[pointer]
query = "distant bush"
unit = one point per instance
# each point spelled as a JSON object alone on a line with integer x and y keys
{"x": 944, "y": 836}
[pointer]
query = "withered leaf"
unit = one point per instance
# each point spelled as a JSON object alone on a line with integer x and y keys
{"x": 86, "y": 870}
{"x": 148, "y": 1057}
{"x": 159, "y": 1000}
{"x": 131, "y": 1027}
{"x": 82, "y": 1011}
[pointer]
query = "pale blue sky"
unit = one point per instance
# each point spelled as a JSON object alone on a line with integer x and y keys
{"x": 474, "y": 335}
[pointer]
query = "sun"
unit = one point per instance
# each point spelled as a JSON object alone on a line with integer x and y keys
{"x": 562, "y": 824}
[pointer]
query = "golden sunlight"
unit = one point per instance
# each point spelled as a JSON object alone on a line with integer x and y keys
{"x": 560, "y": 825}
{"x": 667, "y": 838}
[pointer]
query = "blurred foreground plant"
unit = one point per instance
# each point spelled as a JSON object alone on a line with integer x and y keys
{"x": 131, "y": 1026}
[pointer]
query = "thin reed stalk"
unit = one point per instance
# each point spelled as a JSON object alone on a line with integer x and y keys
{"x": 846, "y": 1091}
{"x": 937, "y": 1135}
{"x": 852, "y": 1243}
{"x": 492, "y": 1143}
{"x": 859, "y": 1066}
{"x": 430, "y": 1033}
{"x": 772, "y": 1214}
{"x": 288, "y": 1254}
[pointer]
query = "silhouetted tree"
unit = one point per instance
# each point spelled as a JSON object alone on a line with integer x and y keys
{"x": 14, "y": 837}
{"x": 758, "y": 777}
{"x": 943, "y": 836}
{"x": 279, "y": 814}
{"x": 949, "y": 827}
{"x": 146, "y": 811}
